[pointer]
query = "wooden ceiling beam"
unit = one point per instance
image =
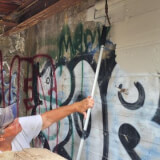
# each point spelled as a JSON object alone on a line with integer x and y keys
{"x": 6, "y": 8}
{"x": 35, "y": 8}
{"x": 17, "y": 11}
{"x": 7, "y": 23}
{"x": 51, "y": 10}
{"x": 18, "y": 2}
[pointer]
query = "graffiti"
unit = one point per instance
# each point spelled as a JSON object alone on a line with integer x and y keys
{"x": 10, "y": 93}
{"x": 124, "y": 123}
{"x": 12, "y": 90}
{"x": 83, "y": 41}
{"x": 76, "y": 87}
{"x": 140, "y": 100}
{"x": 4, "y": 90}
{"x": 156, "y": 117}
{"x": 137, "y": 134}
{"x": 129, "y": 138}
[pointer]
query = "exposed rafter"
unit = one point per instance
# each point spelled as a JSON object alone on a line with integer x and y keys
{"x": 17, "y": 15}
{"x": 47, "y": 9}
{"x": 7, "y": 8}
{"x": 18, "y": 2}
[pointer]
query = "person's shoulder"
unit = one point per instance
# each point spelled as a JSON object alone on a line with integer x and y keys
{"x": 32, "y": 118}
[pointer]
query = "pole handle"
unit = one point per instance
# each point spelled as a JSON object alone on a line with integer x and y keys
{"x": 103, "y": 35}
{"x": 102, "y": 42}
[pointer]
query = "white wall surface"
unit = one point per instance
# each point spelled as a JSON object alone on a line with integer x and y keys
{"x": 137, "y": 36}
{"x": 136, "y": 32}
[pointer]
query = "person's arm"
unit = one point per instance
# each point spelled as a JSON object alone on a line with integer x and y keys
{"x": 50, "y": 117}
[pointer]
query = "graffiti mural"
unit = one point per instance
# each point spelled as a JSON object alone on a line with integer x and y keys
{"x": 6, "y": 88}
{"x": 84, "y": 41}
{"x": 133, "y": 116}
{"x": 124, "y": 123}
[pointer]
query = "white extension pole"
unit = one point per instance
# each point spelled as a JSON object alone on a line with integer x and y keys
{"x": 93, "y": 89}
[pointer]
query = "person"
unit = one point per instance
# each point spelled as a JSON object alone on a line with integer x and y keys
{"x": 17, "y": 133}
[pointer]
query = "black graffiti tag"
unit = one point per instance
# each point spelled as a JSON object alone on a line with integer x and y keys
{"x": 140, "y": 101}
{"x": 129, "y": 137}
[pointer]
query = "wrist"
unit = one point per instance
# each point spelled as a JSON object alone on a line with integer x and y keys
{"x": 76, "y": 107}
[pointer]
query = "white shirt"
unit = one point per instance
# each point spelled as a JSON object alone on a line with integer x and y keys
{"x": 31, "y": 127}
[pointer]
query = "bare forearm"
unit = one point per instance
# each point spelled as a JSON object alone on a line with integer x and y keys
{"x": 55, "y": 115}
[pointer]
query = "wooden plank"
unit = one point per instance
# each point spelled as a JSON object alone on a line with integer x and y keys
{"x": 52, "y": 10}
{"x": 19, "y": 2}
{"x": 36, "y": 7}
{"x": 17, "y": 11}
{"x": 7, "y": 8}
{"x": 31, "y": 154}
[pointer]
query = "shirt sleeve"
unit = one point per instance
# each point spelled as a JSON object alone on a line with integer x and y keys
{"x": 31, "y": 126}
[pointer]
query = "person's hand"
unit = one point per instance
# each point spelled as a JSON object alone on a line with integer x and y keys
{"x": 84, "y": 105}
{"x": 12, "y": 130}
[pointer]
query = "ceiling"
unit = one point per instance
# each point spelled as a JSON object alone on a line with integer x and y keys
{"x": 17, "y": 15}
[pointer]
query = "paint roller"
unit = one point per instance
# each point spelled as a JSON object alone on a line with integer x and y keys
{"x": 102, "y": 44}
{"x": 105, "y": 30}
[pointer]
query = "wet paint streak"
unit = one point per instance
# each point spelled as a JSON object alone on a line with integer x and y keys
{"x": 140, "y": 101}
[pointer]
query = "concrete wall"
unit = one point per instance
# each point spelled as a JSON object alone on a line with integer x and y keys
{"x": 133, "y": 111}
{"x": 57, "y": 67}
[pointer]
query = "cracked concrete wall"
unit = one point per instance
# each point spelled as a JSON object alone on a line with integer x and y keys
{"x": 12, "y": 45}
